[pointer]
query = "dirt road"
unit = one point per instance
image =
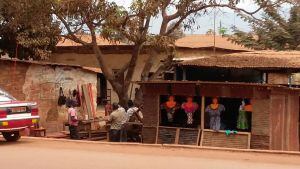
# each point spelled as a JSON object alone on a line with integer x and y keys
{"x": 43, "y": 154}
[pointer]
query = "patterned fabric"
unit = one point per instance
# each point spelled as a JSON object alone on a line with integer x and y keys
{"x": 117, "y": 119}
{"x": 242, "y": 122}
{"x": 170, "y": 111}
{"x": 215, "y": 116}
{"x": 189, "y": 110}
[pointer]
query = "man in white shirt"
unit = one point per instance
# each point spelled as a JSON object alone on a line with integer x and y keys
{"x": 133, "y": 113}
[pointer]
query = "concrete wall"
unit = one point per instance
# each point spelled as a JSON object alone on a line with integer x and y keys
{"x": 41, "y": 83}
{"x": 114, "y": 61}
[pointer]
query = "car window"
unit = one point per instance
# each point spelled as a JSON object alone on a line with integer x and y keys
{"x": 4, "y": 99}
{"x": 5, "y": 96}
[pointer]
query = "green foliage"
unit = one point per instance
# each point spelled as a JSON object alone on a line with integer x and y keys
{"x": 27, "y": 25}
{"x": 223, "y": 31}
{"x": 272, "y": 32}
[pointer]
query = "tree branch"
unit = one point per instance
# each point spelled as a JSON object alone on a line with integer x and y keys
{"x": 71, "y": 34}
{"x": 132, "y": 64}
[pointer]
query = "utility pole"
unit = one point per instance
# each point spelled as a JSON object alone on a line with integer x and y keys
{"x": 214, "y": 32}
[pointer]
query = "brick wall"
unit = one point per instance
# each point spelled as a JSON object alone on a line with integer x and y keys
{"x": 260, "y": 135}
{"x": 12, "y": 78}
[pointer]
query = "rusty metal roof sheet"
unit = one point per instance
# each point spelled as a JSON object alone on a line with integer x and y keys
{"x": 95, "y": 70}
{"x": 258, "y": 59}
{"x": 207, "y": 41}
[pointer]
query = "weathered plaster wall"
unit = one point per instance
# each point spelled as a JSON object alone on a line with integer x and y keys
{"x": 42, "y": 84}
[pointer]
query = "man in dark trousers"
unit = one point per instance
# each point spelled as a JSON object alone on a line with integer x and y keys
{"x": 116, "y": 119}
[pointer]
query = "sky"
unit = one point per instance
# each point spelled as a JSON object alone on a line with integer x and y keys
{"x": 226, "y": 17}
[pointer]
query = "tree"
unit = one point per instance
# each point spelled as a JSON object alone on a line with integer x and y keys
{"x": 273, "y": 31}
{"x": 223, "y": 31}
{"x": 27, "y": 29}
{"x": 114, "y": 23}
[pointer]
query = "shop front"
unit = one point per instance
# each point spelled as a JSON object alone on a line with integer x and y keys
{"x": 221, "y": 114}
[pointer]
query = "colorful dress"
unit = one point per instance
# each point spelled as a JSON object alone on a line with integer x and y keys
{"x": 189, "y": 110}
{"x": 242, "y": 122}
{"x": 170, "y": 111}
{"x": 215, "y": 116}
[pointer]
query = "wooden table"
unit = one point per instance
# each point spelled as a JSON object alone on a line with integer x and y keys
{"x": 85, "y": 128}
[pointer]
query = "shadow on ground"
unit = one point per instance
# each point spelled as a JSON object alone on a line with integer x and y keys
{"x": 21, "y": 141}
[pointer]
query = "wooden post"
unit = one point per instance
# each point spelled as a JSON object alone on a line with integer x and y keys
{"x": 202, "y": 111}
{"x": 177, "y": 135}
{"x": 184, "y": 74}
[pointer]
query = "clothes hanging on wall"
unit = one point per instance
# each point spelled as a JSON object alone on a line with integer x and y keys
{"x": 61, "y": 98}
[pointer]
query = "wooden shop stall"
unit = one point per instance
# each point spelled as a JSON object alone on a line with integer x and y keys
{"x": 272, "y": 124}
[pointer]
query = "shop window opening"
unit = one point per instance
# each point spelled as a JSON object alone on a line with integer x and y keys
{"x": 180, "y": 111}
{"x": 228, "y": 114}
{"x": 219, "y": 113}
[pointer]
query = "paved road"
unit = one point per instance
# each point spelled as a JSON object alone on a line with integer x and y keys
{"x": 49, "y": 154}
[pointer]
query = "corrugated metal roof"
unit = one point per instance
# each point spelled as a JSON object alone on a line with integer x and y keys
{"x": 87, "y": 38}
{"x": 207, "y": 41}
{"x": 259, "y": 59}
{"x": 95, "y": 70}
{"x": 188, "y": 41}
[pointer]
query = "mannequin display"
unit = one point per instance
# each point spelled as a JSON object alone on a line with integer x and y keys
{"x": 214, "y": 111}
{"x": 189, "y": 108}
{"x": 170, "y": 107}
{"x": 249, "y": 110}
{"x": 242, "y": 122}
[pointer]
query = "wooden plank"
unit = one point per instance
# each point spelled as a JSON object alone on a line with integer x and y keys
{"x": 201, "y": 139}
{"x": 91, "y": 99}
{"x": 198, "y": 138}
{"x": 202, "y": 112}
{"x": 87, "y": 100}
{"x": 249, "y": 140}
{"x": 177, "y": 136}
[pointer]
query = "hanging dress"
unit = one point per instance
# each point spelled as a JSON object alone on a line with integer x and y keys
{"x": 190, "y": 110}
{"x": 215, "y": 116}
{"x": 170, "y": 111}
{"x": 242, "y": 122}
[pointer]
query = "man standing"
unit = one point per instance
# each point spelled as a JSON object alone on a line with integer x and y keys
{"x": 116, "y": 119}
{"x": 73, "y": 121}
